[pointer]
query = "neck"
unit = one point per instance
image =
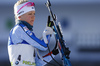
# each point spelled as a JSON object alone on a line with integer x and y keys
{"x": 26, "y": 24}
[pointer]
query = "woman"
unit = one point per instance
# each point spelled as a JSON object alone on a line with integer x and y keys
{"x": 22, "y": 41}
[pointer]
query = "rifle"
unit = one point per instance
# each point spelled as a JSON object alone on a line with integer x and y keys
{"x": 64, "y": 52}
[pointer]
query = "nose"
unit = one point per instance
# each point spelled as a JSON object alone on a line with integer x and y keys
{"x": 33, "y": 17}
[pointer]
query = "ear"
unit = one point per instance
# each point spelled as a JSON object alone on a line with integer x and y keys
{"x": 19, "y": 17}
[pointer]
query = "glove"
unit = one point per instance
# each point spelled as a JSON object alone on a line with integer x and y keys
{"x": 48, "y": 30}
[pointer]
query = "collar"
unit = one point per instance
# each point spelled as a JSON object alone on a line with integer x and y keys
{"x": 26, "y": 24}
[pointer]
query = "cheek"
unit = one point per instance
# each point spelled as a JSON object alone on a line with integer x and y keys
{"x": 34, "y": 17}
{"x": 28, "y": 18}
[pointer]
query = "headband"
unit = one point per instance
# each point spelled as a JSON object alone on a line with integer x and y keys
{"x": 24, "y": 8}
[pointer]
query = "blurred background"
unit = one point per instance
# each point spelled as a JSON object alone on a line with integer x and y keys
{"x": 80, "y": 21}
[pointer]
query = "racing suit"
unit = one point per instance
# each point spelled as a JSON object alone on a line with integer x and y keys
{"x": 21, "y": 46}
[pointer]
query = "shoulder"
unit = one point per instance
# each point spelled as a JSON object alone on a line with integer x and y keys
{"x": 17, "y": 28}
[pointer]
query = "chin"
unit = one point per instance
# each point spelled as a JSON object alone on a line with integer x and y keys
{"x": 31, "y": 24}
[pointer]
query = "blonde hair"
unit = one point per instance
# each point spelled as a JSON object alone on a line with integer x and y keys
{"x": 20, "y": 2}
{"x": 16, "y": 4}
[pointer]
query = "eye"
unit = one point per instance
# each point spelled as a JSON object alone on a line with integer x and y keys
{"x": 34, "y": 14}
{"x": 30, "y": 14}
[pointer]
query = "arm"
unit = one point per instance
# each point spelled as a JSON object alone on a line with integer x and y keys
{"x": 34, "y": 41}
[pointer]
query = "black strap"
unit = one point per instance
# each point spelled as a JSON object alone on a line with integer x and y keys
{"x": 19, "y": 58}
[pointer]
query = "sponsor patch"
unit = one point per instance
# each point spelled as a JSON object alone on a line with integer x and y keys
{"x": 29, "y": 32}
{"x": 16, "y": 62}
{"x": 25, "y": 28}
{"x": 28, "y": 63}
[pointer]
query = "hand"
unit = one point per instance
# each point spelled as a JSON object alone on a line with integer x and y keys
{"x": 47, "y": 31}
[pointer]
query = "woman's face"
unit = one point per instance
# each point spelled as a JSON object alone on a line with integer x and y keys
{"x": 29, "y": 17}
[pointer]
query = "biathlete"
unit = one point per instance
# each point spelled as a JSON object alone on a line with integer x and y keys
{"x": 22, "y": 42}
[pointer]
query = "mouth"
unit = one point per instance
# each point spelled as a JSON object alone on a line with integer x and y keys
{"x": 31, "y": 22}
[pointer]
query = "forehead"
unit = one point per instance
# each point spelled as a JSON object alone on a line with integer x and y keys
{"x": 31, "y": 12}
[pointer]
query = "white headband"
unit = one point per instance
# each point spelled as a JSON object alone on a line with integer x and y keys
{"x": 23, "y": 8}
